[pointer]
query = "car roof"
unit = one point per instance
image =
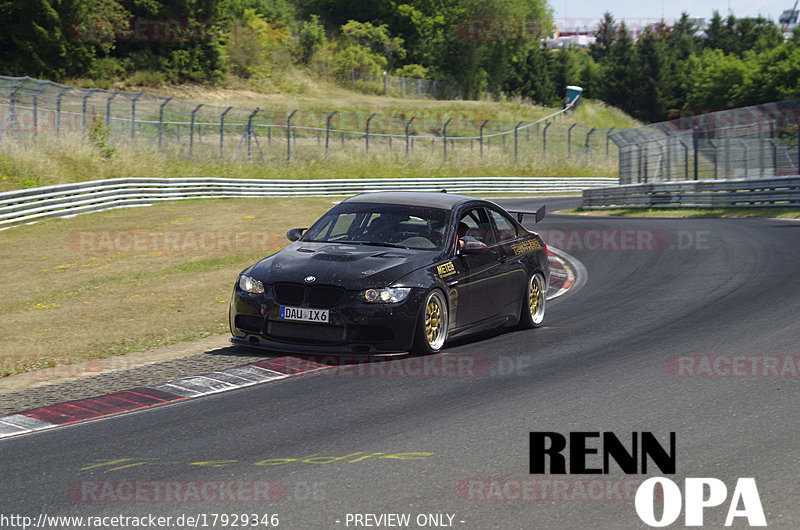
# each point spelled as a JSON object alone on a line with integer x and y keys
{"x": 415, "y": 198}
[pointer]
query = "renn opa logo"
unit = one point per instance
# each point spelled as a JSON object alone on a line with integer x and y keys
{"x": 596, "y": 453}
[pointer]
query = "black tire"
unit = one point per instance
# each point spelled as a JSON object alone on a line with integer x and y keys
{"x": 534, "y": 301}
{"x": 431, "y": 331}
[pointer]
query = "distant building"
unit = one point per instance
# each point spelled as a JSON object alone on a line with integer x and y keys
{"x": 567, "y": 41}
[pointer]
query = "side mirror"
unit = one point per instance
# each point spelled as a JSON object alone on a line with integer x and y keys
{"x": 473, "y": 247}
{"x": 295, "y": 233}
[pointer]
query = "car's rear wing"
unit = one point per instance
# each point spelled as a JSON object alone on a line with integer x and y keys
{"x": 522, "y": 213}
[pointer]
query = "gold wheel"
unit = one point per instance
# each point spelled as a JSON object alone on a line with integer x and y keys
{"x": 432, "y": 330}
{"x": 534, "y": 298}
{"x": 433, "y": 320}
{"x": 533, "y": 317}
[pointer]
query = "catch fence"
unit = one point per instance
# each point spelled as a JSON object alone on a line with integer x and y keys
{"x": 750, "y": 142}
{"x": 30, "y": 108}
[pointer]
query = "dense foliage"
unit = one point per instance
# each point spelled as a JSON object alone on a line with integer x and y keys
{"x": 485, "y": 46}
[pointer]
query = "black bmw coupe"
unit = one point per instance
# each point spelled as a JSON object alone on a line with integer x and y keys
{"x": 392, "y": 272}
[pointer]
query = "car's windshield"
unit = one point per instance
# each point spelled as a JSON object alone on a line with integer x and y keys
{"x": 388, "y": 225}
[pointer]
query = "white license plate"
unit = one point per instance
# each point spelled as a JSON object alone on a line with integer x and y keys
{"x": 304, "y": 314}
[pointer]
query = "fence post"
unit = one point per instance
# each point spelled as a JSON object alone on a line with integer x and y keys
{"x": 608, "y": 136}
{"x": 385, "y": 88}
{"x": 716, "y": 157}
{"x": 685, "y": 159}
{"x": 408, "y": 124}
{"x": 191, "y": 129}
{"x": 727, "y": 156}
{"x": 669, "y": 158}
{"x": 133, "y": 113}
{"x": 696, "y": 157}
{"x": 328, "y": 129}
{"x": 108, "y": 110}
{"x": 288, "y": 135}
{"x": 544, "y": 139}
{"x": 86, "y": 97}
{"x": 161, "y": 120}
{"x": 367, "y": 129}
{"x": 586, "y": 147}
{"x": 516, "y": 131}
{"x": 36, "y": 110}
{"x": 480, "y": 140}
{"x": 58, "y": 108}
{"x": 569, "y": 139}
{"x": 222, "y": 131}
{"x": 444, "y": 132}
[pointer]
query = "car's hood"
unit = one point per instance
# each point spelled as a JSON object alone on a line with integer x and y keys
{"x": 349, "y": 266}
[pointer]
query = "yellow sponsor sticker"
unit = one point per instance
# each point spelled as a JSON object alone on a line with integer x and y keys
{"x": 445, "y": 269}
{"x": 526, "y": 246}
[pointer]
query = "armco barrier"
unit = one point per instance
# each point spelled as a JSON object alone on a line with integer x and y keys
{"x": 28, "y": 205}
{"x": 738, "y": 193}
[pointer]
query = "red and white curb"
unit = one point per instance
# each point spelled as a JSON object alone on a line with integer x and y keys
{"x": 41, "y": 418}
{"x": 566, "y": 274}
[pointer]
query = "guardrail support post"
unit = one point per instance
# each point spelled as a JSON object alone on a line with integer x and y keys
{"x": 328, "y": 129}
{"x": 191, "y": 129}
{"x": 444, "y": 133}
{"x": 161, "y": 120}
{"x": 288, "y": 135}
{"x": 222, "y": 130}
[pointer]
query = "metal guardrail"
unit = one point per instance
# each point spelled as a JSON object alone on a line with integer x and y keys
{"x": 63, "y": 200}
{"x": 734, "y": 193}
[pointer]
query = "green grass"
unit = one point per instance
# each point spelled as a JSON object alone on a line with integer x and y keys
{"x": 47, "y": 160}
{"x": 67, "y": 159}
{"x": 65, "y": 300}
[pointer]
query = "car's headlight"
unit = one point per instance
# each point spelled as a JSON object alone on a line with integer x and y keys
{"x": 388, "y": 295}
{"x": 250, "y": 285}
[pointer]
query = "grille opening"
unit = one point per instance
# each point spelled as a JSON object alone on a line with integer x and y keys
{"x": 325, "y": 296}
{"x": 317, "y": 296}
{"x": 289, "y": 293}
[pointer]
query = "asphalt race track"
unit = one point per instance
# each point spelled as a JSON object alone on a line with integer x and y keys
{"x": 624, "y": 353}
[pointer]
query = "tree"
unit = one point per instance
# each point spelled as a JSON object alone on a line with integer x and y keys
{"x": 310, "y": 37}
{"x": 605, "y": 35}
{"x": 716, "y": 81}
{"x": 40, "y": 38}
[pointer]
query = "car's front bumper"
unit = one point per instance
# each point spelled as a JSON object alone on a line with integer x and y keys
{"x": 354, "y": 326}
